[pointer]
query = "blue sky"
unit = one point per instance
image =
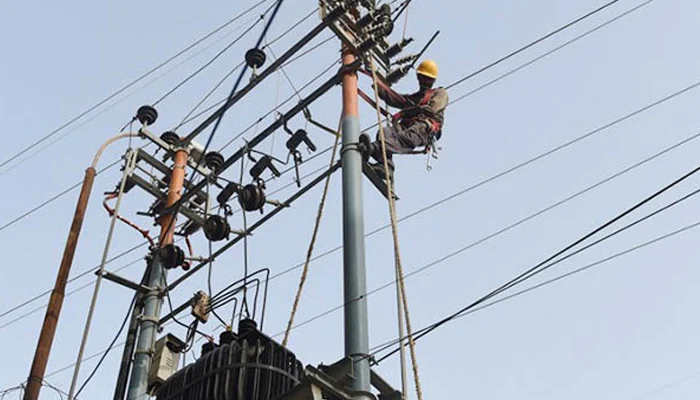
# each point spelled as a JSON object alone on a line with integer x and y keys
{"x": 624, "y": 330}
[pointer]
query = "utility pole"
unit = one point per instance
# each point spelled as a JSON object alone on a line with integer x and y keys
{"x": 48, "y": 329}
{"x": 354, "y": 274}
{"x": 153, "y": 299}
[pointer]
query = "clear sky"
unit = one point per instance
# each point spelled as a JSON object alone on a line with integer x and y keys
{"x": 624, "y": 330}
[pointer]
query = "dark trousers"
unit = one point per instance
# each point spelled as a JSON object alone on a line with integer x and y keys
{"x": 401, "y": 140}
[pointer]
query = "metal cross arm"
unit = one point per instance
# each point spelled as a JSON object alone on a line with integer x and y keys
{"x": 264, "y": 74}
{"x": 278, "y": 123}
{"x": 257, "y": 224}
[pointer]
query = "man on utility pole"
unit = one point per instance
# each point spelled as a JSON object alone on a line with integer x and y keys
{"x": 418, "y": 124}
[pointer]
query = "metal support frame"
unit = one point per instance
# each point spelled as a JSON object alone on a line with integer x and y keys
{"x": 284, "y": 205}
{"x": 330, "y": 382}
{"x": 153, "y": 301}
{"x": 345, "y": 29}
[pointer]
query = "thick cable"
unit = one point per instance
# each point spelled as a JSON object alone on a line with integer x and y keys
{"x": 314, "y": 235}
{"x": 395, "y": 235}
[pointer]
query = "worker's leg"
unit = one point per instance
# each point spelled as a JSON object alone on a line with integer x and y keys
{"x": 392, "y": 142}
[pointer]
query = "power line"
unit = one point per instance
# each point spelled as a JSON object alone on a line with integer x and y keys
{"x": 213, "y": 59}
{"x": 52, "y": 199}
{"x": 386, "y": 345}
{"x": 533, "y": 43}
{"x": 548, "y": 53}
{"x": 130, "y": 84}
{"x": 507, "y": 228}
{"x": 550, "y": 261}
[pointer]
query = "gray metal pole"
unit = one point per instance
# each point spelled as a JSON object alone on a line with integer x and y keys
{"x": 148, "y": 330}
{"x": 355, "y": 280}
{"x": 153, "y": 300}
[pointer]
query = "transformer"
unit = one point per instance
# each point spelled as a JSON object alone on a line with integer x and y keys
{"x": 251, "y": 367}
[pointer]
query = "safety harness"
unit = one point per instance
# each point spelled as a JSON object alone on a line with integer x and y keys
{"x": 400, "y": 118}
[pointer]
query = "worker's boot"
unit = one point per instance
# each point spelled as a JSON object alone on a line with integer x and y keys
{"x": 366, "y": 147}
{"x": 379, "y": 169}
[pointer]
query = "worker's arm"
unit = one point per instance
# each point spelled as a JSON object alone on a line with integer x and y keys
{"x": 392, "y": 98}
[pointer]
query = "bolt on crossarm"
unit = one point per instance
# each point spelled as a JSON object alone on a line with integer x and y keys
{"x": 48, "y": 328}
{"x": 153, "y": 300}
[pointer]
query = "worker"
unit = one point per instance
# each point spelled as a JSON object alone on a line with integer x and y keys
{"x": 419, "y": 123}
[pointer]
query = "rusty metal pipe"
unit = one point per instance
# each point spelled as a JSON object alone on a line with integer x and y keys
{"x": 48, "y": 328}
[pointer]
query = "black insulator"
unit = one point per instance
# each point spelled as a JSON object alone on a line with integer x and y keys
{"x": 297, "y": 138}
{"x": 365, "y": 21}
{"x": 385, "y": 10}
{"x": 382, "y": 29}
{"x": 251, "y": 197}
{"x": 396, "y": 75}
{"x": 190, "y": 228}
{"x": 170, "y": 137}
{"x": 261, "y": 165}
{"x": 366, "y": 45}
{"x": 208, "y": 347}
{"x": 216, "y": 228}
{"x": 246, "y": 326}
{"x": 406, "y": 60}
{"x": 397, "y": 48}
{"x": 227, "y": 337}
{"x": 147, "y": 115}
{"x": 171, "y": 256}
{"x": 228, "y": 191}
{"x": 214, "y": 161}
{"x": 255, "y": 58}
{"x": 368, "y": 4}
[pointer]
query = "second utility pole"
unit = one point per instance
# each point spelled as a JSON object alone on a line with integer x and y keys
{"x": 153, "y": 300}
{"x": 354, "y": 274}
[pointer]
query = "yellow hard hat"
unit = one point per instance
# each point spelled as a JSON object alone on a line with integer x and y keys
{"x": 428, "y": 68}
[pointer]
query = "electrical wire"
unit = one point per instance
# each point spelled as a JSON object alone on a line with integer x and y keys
{"x": 387, "y": 345}
{"x": 533, "y": 43}
{"x": 109, "y": 348}
{"x": 53, "y": 198}
{"x": 213, "y": 59}
{"x": 548, "y": 53}
{"x": 290, "y": 98}
{"x": 547, "y": 263}
{"x": 130, "y": 84}
{"x": 503, "y": 230}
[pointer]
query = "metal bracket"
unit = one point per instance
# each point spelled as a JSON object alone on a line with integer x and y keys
{"x": 202, "y": 169}
{"x": 125, "y": 282}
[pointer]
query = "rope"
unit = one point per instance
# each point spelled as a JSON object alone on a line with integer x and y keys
{"x": 395, "y": 234}
{"x": 310, "y": 251}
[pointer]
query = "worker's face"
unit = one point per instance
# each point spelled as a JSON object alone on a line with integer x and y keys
{"x": 424, "y": 82}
